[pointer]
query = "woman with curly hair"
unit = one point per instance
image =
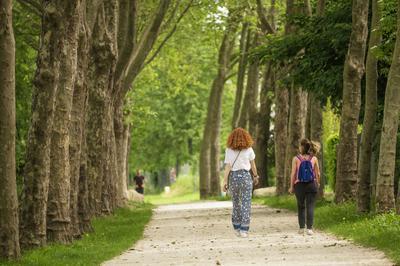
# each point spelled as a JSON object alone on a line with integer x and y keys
{"x": 239, "y": 159}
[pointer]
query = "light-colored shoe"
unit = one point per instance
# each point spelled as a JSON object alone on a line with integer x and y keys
{"x": 310, "y": 232}
{"x": 301, "y": 231}
{"x": 244, "y": 234}
{"x": 237, "y": 232}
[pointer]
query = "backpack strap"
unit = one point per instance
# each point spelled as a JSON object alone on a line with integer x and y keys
{"x": 300, "y": 158}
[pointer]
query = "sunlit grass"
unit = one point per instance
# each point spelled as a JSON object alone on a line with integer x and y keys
{"x": 112, "y": 235}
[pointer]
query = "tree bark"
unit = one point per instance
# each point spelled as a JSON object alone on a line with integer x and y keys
{"x": 264, "y": 123}
{"x": 371, "y": 108}
{"x": 385, "y": 198}
{"x": 56, "y": 16}
{"x": 243, "y": 49}
{"x": 9, "y": 222}
{"x": 316, "y": 132}
{"x": 281, "y": 131}
{"x": 346, "y": 173}
{"x": 296, "y": 130}
{"x": 100, "y": 111}
{"x": 58, "y": 207}
{"x": 77, "y": 132}
{"x": 249, "y": 110}
{"x": 210, "y": 144}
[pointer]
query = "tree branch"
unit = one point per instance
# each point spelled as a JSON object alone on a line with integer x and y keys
{"x": 265, "y": 25}
{"x": 169, "y": 35}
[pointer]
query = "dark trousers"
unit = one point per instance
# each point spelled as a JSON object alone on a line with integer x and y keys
{"x": 306, "y": 194}
{"x": 140, "y": 190}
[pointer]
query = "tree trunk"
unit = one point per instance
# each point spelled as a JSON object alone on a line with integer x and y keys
{"x": 56, "y": 16}
{"x": 346, "y": 173}
{"x": 9, "y": 233}
{"x": 371, "y": 108}
{"x": 77, "y": 136}
{"x": 316, "y": 131}
{"x": 121, "y": 142}
{"x": 241, "y": 74}
{"x": 100, "y": 111}
{"x": 58, "y": 207}
{"x": 248, "y": 112}
{"x": 296, "y": 130}
{"x": 210, "y": 145}
{"x": 385, "y": 199}
{"x": 264, "y": 122}
{"x": 281, "y": 130}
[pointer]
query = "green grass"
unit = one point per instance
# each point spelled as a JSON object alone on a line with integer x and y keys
{"x": 183, "y": 190}
{"x": 112, "y": 235}
{"x": 380, "y": 231}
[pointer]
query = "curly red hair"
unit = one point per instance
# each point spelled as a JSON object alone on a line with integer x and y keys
{"x": 239, "y": 139}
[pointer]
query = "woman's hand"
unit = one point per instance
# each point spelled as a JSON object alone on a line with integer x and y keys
{"x": 225, "y": 186}
{"x": 291, "y": 190}
{"x": 256, "y": 180}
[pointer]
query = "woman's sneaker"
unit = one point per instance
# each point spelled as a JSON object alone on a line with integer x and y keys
{"x": 237, "y": 232}
{"x": 244, "y": 234}
{"x": 310, "y": 232}
{"x": 301, "y": 231}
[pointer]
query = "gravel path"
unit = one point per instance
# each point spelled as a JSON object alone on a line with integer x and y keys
{"x": 200, "y": 234}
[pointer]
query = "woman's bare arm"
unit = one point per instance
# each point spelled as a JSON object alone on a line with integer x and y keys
{"x": 317, "y": 171}
{"x": 254, "y": 170}
{"x": 228, "y": 168}
{"x": 292, "y": 175}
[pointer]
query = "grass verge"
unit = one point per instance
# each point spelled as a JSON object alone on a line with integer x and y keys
{"x": 112, "y": 235}
{"x": 380, "y": 231}
{"x": 163, "y": 198}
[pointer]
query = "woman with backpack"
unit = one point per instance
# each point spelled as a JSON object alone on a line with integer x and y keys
{"x": 305, "y": 180}
{"x": 239, "y": 160}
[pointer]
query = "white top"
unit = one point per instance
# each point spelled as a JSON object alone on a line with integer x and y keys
{"x": 243, "y": 161}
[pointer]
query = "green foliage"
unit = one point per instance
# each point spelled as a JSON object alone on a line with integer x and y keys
{"x": 112, "y": 235}
{"x": 330, "y": 159}
{"x": 315, "y": 54}
{"x": 378, "y": 231}
{"x": 26, "y": 27}
{"x": 168, "y": 104}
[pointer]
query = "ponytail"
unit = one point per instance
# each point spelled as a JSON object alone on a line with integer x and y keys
{"x": 305, "y": 146}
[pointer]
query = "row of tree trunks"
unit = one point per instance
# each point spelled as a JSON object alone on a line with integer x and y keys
{"x": 371, "y": 108}
{"x": 9, "y": 233}
{"x": 346, "y": 173}
{"x": 209, "y": 153}
{"x": 385, "y": 198}
{"x": 78, "y": 146}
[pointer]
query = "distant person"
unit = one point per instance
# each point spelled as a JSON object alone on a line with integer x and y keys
{"x": 139, "y": 181}
{"x": 305, "y": 180}
{"x": 239, "y": 159}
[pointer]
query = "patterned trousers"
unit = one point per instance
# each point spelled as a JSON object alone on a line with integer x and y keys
{"x": 241, "y": 186}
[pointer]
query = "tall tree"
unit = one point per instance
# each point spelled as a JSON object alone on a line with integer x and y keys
{"x": 298, "y": 101}
{"x": 267, "y": 24}
{"x": 58, "y": 207}
{"x": 346, "y": 173}
{"x": 9, "y": 231}
{"x": 243, "y": 49}
{"x": 371, "y": 108}
{"x": 209, "y": 153}
{"x": 249, "y": 110}
{"x": 385, "y": 198}
{"x": 56, "y": 18}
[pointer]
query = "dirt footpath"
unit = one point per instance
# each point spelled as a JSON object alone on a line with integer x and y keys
{"x": 201, "y": 234}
